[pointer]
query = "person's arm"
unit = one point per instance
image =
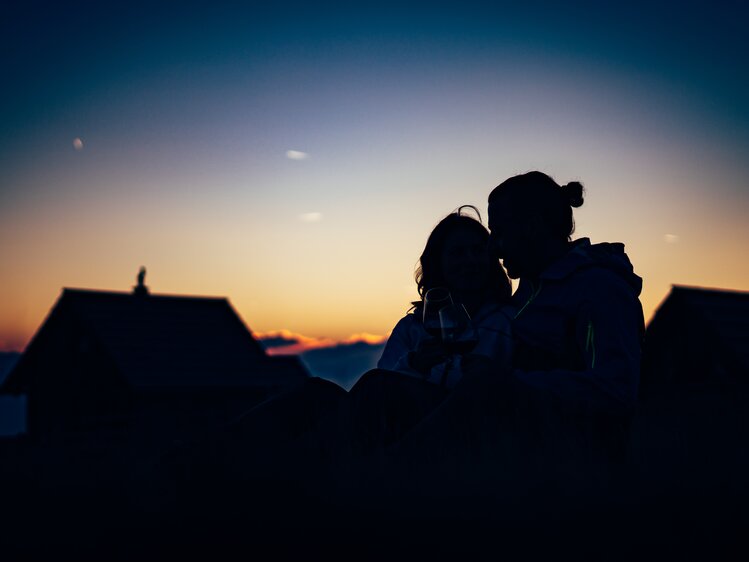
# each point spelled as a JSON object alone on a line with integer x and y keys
{"x": 608, "y": 333}
{"x": 407, "y": 352}
{"x": 495, "y": 335}
{"x": 395, "y": 355}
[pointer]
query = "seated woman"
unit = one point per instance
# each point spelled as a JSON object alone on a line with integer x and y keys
{"x": 385, "y": 404}
{"x": 456, "y": 257}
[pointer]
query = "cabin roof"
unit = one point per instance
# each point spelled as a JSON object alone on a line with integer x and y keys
{"x": 725, "y": 313}
{"x": 166, "y": 340}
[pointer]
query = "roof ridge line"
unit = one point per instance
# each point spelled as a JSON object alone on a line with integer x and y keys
{"x": 101, "y": 292}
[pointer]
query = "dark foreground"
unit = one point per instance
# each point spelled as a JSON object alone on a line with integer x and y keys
{"x": 50, "y": 515}
{"x": 681, "y": 493}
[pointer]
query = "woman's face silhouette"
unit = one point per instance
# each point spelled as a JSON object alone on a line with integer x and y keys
{"x": 465, "y": 261}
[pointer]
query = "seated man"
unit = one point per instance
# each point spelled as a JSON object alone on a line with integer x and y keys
{"x": 579, "y": 324}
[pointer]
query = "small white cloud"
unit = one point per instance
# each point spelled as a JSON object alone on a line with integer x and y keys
{"x": 671, "y": 238}
{"x": 310, "y": 217}
{"x": 296, "y": 155}
{"x": 77, "y": 143}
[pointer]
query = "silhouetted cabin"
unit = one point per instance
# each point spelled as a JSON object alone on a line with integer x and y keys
{"x": 698, "y": 336}
{"x": 156, "y": 367}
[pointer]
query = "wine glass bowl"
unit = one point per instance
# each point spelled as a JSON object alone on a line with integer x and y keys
{"x": 458, "y": 333}
{"x": 435, "y": 299}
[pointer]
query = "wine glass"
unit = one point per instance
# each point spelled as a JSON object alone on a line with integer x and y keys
{"x": 435, "y": 300}
{"x": 458, "y": 333}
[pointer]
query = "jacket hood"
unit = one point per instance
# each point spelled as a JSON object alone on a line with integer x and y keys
{"x": 583, "y": 255}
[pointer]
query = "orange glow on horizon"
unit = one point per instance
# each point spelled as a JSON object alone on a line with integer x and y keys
{"x": 15, "y": 336}
{"x": 299, "y": 343}
{"x": 371, "y": 339}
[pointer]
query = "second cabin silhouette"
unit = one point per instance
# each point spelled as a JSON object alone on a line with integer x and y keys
{"x": 698, "y": 335}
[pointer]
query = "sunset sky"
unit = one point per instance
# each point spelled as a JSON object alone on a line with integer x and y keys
{"x": 294, "y": 158}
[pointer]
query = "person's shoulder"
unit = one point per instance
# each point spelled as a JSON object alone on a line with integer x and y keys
{"x": 409, "y": 321}
{"x": 604, "y": 265}
{"x": 594, "y": 274}
{"x": 601, "y": 284}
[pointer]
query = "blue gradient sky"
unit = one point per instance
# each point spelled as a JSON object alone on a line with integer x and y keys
{"x": 187, "y": 113}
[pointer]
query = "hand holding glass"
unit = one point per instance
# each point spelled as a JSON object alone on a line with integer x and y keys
{"x": 458, "y": 333}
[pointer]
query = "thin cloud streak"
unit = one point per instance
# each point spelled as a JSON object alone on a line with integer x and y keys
{"x": 310, "y": 217}
{"x": 296, "y": 155}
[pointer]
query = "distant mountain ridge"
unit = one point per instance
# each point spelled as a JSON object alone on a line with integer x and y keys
{"x": 343, "y": 363}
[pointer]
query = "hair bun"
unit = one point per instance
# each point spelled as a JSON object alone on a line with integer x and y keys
{"x": 573, "y": 192}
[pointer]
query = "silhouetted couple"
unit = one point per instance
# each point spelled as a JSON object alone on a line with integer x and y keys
{"x": 548, "y": 378}
{"x": 553, "y": 378}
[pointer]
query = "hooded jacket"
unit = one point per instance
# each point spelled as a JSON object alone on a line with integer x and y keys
{"x": 578, "y": 329}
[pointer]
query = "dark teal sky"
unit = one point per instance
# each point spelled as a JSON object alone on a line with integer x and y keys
{"x": 58, "y": 55}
